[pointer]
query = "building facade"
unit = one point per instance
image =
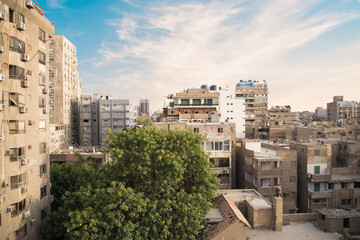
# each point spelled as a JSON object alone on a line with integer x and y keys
{"x": 265, "y": 166}
{"x": 64, "y": 87}
{"x": 98, "y": 113}
{"x": 144, "y": 107}
{"x": 320, "y": 114}
{"x": 24, "y": 112}
{"x": 282, "y": 115}
{"x": 342, "y": 112}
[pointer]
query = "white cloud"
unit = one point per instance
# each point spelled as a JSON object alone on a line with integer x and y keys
{"x": 130, "y": 3}
{"x": 186, "y": 45}
{"x": 54, "y": 4}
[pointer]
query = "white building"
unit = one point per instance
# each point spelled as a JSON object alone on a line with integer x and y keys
{"x": 232, "y": 110}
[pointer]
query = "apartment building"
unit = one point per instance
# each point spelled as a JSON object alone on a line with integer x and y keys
{"x": 328, "y": 174}
{"x": 320, "y": 114}
{"x": 64, "y": 87}
{"x": 232, "y": 110}
{"x": 304, "y": 134}
{"x": 193, "y": 105}
{"x": 342, "y": 112}
{"x": 265, "y": 166}
{"x": 255, "y": 94}
{"x": 282, "y": 115}
{"x": 144, "y": 108}
{"x": 219, "y": 144}
{"x": 98, "y": 113}
{"x": 24, "y": 131}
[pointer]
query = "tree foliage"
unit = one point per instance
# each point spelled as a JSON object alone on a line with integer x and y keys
{"x": 158, "y": 186}
{"x": 143, "y": 120}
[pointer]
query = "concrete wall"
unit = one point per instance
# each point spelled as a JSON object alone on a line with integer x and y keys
{"x": 300, "y": 217}
{"x": 236, "y": 231}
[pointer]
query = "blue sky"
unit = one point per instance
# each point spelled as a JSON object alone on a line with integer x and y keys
{"x": 308, "y": 51}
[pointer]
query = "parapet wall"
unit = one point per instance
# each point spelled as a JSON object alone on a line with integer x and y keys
{"x": 299, "y": 217}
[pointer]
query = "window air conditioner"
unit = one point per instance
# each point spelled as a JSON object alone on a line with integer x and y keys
{"x": 2, "y": 77}
{"x": 226, "y": 171}
{"x": 10, "y": 208}
{"x": 2, "y": 107}
{"x": 45, "y": 91}
{"x": 25, "y": 189}
{"x": 26, "y": 215}
{"x": 24, "y": 161}
{"x": 29, "y": 4}
{"x": 32, "y": 221}
{"x": 2, "y": 49}
{"x": 2, "y": 198}
{"x": 25, "y": 57}
{"x": 31, "y": 122}
{"x": 20, "y": 26}
{"x": 23, "y": 109}
{"x": 45, "y": 111}
{"x": 2, "y": 16}
{"x": 25, "y": 84}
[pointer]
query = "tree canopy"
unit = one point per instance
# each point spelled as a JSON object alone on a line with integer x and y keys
{"x": 158, "y": 186}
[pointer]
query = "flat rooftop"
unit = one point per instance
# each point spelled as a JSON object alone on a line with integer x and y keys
{"x": 255, "y": 199}
{"x": 293, "y": 231}
{"x": 344, "y": 177}
{"x": 340, "y": 213}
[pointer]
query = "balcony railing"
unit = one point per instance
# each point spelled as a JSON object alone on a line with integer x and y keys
{"x": 315, "y": 195}
{"x": 197, "y": 104}
{"x": 319, "y": 177}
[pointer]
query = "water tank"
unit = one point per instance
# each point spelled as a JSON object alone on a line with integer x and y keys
{"x": 213, "y": 87}
{"x": 204, "y": 86}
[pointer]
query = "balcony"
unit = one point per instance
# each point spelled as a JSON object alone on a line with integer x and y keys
{"x": 319, "y": 177}
{"x": 196, "y": 105}
{"x": 316, "y": 195}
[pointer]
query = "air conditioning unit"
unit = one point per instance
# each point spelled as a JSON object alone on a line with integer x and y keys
{"x": 226, "y": 171}
{"x": 2, "y": 49}
{"x": 24, "y": 57}
{"x": 25, "y": 161}
{"x": 2, "y": 107}
{"x": 25, "y": 189}
{"x": 20, "y": 26}
{"x": 45, "y": 111}
{"x": 26, "y": 215}
{"x": 2, "y": 16}
{"x": 45, "y": 91}
{"x": 42, "y": 175}
{"x": 9, "y": 152}
{"x": 31, "y": 122}
{"x": 32, "y": 221}
{"x": 23, "y": 109}
{"x": 25, "y": 83}
{"x": 10, "y": 208}
{"x": 29, "y": 4}
{"x": 2, "y": 198}
{"x": 2, "y": 77}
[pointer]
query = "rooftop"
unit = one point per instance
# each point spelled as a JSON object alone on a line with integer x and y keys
{"x": 255, "y": 199}
{"x": 340, "y": 213}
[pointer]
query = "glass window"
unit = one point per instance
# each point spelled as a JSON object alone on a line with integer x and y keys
{"x": 41, "y": 35}
{"x": 316, "y": 187}
{"x": 185, "y": 101}
{"x": 226, "y": 145}
{"x": 317, "y": 169}
{"x": 197, "y": 101}
{"x": 220, "y": 162}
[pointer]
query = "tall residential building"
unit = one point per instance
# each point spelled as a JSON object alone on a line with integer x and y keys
{"x": 24, "y": 118}
{"x": 342, "y": 112}
{"x": 64, "y": 87}
{"x": 255, "y": 94}
{"x": 144, "y": 107}
{"x": 232, "y": 110}
{"x": 282, "y": 115}
{"x": 264, "y": 166}
{"x": 98, "y": 113}
{"x": 320, "y": 113}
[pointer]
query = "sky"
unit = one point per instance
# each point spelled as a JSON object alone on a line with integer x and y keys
{"x": 307, "y": 50}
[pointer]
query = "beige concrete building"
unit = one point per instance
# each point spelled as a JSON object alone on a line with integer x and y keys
{"x": 64, "y": 87}
{"x": 282, "y": 115}
{"x": 192, "y": 105}
{"x": 255, "y": 94}
{"x": 219, "y": 144}
{"x": 345, "y": 221}
{"x": 57, "y": 137}
{"x": 265, "y": 166}
{"x": 24, "y": 127}
{"x": 342, "y": 112}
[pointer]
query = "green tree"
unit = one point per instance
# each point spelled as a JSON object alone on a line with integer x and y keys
{"x": 158, "y": 186}
{"x": 143, "y": 120}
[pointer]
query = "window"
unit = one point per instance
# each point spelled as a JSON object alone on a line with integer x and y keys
{"x": 51, "y": 50}
{"x": 11, "y": 15}
{"x": 208, "y": 101}
{"x": 196, "y": 130}
{"x": 277, "y": 181}
{"x": 343, "y": 185}
{"x": 42, "y": 103}
{"x": 42, "y": 147}
{"x": 220, "y": 162}
{"x": 43, "y": 169}
{"x": 43, "y": 214}
{"x": 19, "y": 18}
{"x": 42, "y": 124}
{"x": 19, "y": 207}
{"x": 293, "y": 164}
{"x": 317, "y": 169}
{"x": 21, "y": 233}
{"x": 356, "y": 184}
{"x": 51, "y": 68}
{"x": 266, "y": 182}
{"x": 218, "y": 146}
{"x": 51, "y": 59}
{"x": 16, "y": 72}
{"x": 18, "y": 181}
{"x": 196, "y": 101}
{"x": 16, "y": 45}
{"x": 185, "y": 101}
{"x": 227, "y": 145}
{"x": 220, "y": 130}
{"x": 51, "y": 42}
{"x": 266, "y": 166}
{"x": 43, "y": 192}
{"x": 346, "y": 223}
{"x": 16, "y": 99}
{"x": 317, "y": 152}
{"x": 42, "y": 81}
{"x": 198, "y": 112}
{"x": 345, "y": 201}
{"x": 186, "y": 112}
{"x": 42, "y": 58}
{"x": 16, "y": 127}
{"x": 41, "y": 35}
{"x": 331, "y": 186}
{"x": 316, "y": 187}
